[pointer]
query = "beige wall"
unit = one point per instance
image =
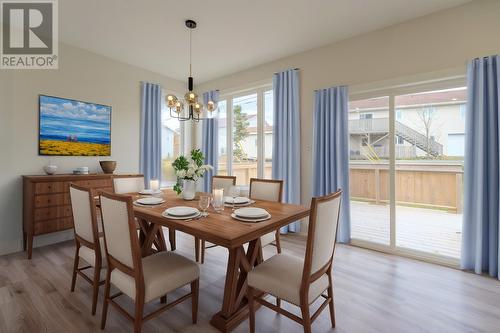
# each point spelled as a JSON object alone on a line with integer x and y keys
{"x": 432, "y": 43}
{"x": 82, "y": 75}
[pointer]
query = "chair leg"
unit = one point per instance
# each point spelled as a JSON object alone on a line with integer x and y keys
{"x": 202, "y": 251}
{"x": 106, "y": 299}
{"x": 195, "y": 291}
{"x": 172, "y": 239}
{"x": 278, "y": 241}
{"x": 75, "y": 267}
{"x": 139, "y": 312}
{"x": 306, "y": 317}
{"x": 95, "y": 287}
{"x": 278, "y": 302}
{"x": 331, "y": 303}
{"x": 251, "y": 309}
{"x": 163, "y": 299}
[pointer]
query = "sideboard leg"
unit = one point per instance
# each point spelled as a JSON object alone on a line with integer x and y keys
{"x": 30, "y": 245}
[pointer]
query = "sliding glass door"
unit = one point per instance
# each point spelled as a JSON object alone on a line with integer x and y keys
{"x": 406, "y": 172}
{"x": 369, "y": 169}
{"x": 429, "y": 130}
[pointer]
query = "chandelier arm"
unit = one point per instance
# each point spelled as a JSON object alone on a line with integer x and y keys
{"x": 178, "y": 117}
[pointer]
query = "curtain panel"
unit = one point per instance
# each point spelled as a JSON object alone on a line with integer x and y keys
{"x": 150, "y": 137}
{"x": 286, "y": 138}
{"x": 210, "y": 144}
{"x": 331, "y": 150}
{"x": 481, "y": 219}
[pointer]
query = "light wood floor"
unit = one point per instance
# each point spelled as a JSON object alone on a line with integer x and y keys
{"x": 374, "y": 293}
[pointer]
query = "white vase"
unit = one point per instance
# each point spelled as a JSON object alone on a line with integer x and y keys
{"x": 188, "y": 189}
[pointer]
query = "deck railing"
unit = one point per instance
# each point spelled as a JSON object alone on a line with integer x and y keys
{"x": 419, "y": 184}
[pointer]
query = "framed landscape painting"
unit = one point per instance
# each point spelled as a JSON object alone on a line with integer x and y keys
{"x": 73, "y": 128}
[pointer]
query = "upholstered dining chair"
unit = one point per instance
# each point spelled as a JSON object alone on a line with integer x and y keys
{"x": 306, "y": 279}
{"x": 269, "y": 190}
{"x": 141, "y": 279}
{"x": 128, "y": 184}
{"x": 218, "y": 182}
{"x": 89, "y": 246}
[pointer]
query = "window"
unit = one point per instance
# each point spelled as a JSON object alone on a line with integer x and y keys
{"x": 171, "y": 145}
{"x": 462, "y": 111}
{"x": 399, "y": 115}
{"x": 406, "y": 180}
{"x": 268, "y": 133}
{"x": 222, "y": 132}
{"x": 246, "y": 134}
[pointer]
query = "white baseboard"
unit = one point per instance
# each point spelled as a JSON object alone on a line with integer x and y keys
{"x": 16, "y": 245}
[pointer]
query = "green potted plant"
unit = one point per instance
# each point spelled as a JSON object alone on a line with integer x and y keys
{"x": 188, "y": 171}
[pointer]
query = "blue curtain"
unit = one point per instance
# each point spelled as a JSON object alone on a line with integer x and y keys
{"x": 210, "y": 144}
{"x": 286, "y": 138}
{"x": 150, "y": 140}
{"x": 331, "y": 151}
{"x": 480, "y": 234}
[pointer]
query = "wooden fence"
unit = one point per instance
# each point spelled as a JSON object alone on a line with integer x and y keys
{"x": 426, "y": 185}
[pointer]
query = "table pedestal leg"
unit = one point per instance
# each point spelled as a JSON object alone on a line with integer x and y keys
{"x": 150, "y": 234}
{"x": 235, "y": 304}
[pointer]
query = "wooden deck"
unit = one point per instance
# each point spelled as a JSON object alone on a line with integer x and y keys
{"x": 433, "y": 231}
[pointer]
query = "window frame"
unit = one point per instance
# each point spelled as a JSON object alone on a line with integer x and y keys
{"x": 182, "y": 143}
{"x": 229, "y": 98}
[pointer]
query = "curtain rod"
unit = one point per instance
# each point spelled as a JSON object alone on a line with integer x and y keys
{"x": 295, "y": 69}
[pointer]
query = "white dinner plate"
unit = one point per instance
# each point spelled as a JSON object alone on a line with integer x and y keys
{"x": 237, "y": 200}
{"x": 181, "y": 211}
{"x": 251, "y": 212}
{"x": 150, "y": 201}
{"x": 150, "y": 192}
{"x": 172, "y": 217}
{"x": 240, "y": 205}
{"x": 239, "y": 218}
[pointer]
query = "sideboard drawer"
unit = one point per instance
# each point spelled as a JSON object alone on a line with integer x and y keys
{"x": 52, "y": 187}
{"x": 52, "y": 213}
{"x": 48, "y": 200}
{"x": 44, "y": 227}
{"x": 94, "y": 183}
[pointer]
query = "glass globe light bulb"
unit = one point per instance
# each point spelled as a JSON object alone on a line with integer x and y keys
{"x": 210, "y": 106}
{"x": 197, "y": 107}
{"x": 171, "y": 101}
{"x": 191, "y": 97}
{"x": 179, "y": 106}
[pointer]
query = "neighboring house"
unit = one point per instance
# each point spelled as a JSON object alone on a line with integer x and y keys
{"x": 440, "y": 114}
{"x": 250, "y": 142}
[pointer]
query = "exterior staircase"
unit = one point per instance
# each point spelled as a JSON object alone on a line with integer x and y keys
{"x": 381, "y": 126}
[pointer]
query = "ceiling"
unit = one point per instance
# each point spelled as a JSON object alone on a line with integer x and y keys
{"x": 232, "y": 35}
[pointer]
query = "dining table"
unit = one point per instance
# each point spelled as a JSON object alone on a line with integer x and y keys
{"x": 221, "y": 229}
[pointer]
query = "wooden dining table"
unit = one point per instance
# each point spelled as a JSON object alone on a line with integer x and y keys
{"x": 223, "y": 230}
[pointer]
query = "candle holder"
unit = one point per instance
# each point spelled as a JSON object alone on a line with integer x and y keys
{"x": 218, "y": 200}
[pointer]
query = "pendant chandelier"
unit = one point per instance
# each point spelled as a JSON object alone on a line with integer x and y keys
{"x": 190, "y": 104}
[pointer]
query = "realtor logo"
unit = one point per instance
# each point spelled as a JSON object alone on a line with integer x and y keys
{"x": 29, "y": 35}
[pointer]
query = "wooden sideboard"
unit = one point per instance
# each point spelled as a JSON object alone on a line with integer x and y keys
{"x": 46, "y": 204}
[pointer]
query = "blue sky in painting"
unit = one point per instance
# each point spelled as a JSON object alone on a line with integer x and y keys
{"x": 62, "y": 119}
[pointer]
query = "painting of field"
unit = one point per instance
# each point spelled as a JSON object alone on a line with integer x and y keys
{"x": 74, "y": 128}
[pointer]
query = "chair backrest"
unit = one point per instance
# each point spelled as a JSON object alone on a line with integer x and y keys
{"x": 223, "y": 182}
{"x": 128, "y": 184}
{"x": 266, "y": 189}
{"x": 322, "y": 233}
{"x": 84, "y": 214}
{"x": 120, "y": 233}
